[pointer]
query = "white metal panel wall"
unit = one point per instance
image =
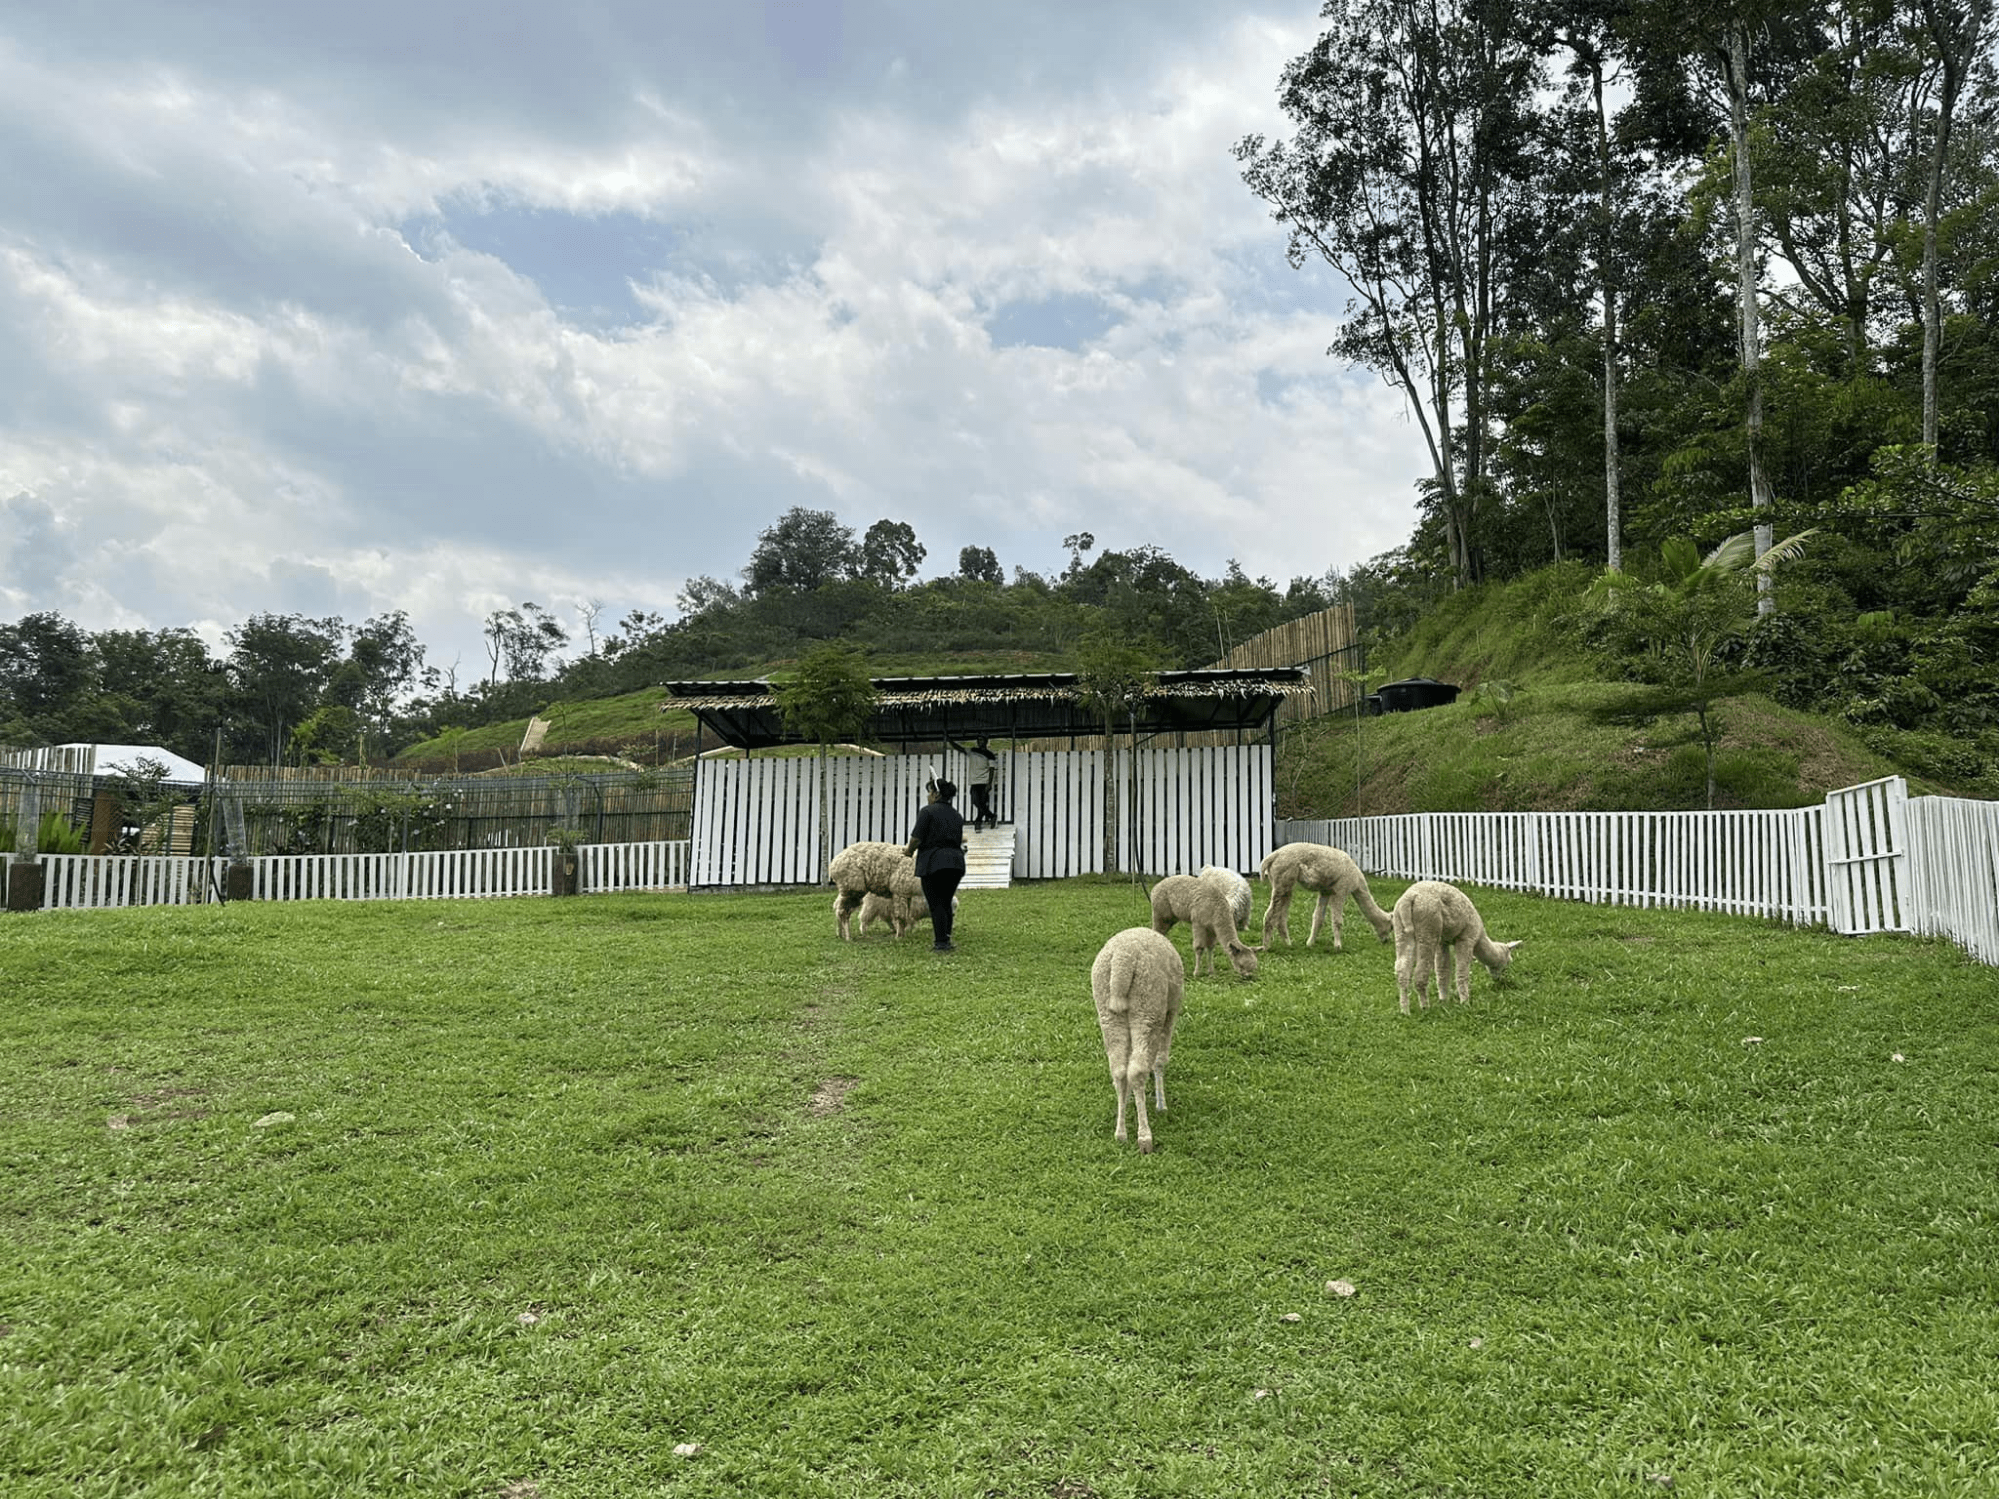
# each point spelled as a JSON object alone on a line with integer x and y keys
{"x": 1195, "y": 806}
{"x": 1057, "y": 801}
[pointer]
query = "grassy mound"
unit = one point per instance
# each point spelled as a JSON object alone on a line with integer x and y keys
{"x": 1560, "y": 747}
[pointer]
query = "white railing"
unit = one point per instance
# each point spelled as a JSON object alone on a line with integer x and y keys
{"x": 399, "y": 877}
{"x": 93, "y": 880}
{"x": 658, "y": 866}
{"x": 1766, "y": 863}
{"x": 83, "y": 881}
{"x": 1954, "y": 871}
{"x": 1871, "y": 859}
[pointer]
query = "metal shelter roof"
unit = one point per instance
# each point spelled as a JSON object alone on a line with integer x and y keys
{"x": 1015, "y": 706}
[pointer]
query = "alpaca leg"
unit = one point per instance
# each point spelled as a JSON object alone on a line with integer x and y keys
{"x": 1318, "y": 919}
{"x": 1134, "y": 1084}
{"x": 1159, "y": 1086}
{"x": 1279, "y": 912}
{"x": 843, "y": 909}
{"x": 1461, "y": 955}
{"x": 1405, "y": 967}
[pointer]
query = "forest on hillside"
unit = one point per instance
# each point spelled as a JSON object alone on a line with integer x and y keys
{"x": 1648, "y": 276}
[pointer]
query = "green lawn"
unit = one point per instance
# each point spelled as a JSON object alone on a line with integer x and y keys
{"x": 572, "y": 1183}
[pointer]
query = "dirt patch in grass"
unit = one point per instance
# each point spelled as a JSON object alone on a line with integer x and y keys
{"x": 831, "y": 1096}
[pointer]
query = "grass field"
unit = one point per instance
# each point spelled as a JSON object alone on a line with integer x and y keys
{"x": 1681, "y": 1201}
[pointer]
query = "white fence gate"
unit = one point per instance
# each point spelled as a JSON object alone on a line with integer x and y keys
{"x": 1866, "y": 831}
{"x": 756, "y": 822}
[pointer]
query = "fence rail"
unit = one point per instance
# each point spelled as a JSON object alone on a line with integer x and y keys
{"x": 86, "y": 881}
{"x": 97, "y": 880}
{"x": 1765, "y": 863}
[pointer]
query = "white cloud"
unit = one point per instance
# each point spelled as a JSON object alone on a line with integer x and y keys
{"x": 267, "y": 375}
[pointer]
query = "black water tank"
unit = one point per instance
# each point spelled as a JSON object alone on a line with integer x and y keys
{"x": 1416, "y": 692}
{"x": 1371, "y": 705}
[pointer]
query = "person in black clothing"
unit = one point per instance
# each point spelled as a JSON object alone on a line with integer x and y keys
{"x": 938, "y": 842}
{"x": 980, "y": 779}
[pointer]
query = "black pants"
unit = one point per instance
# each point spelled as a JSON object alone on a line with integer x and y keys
{"x": 981, "y": 808}
{"x": 939, "y": 886}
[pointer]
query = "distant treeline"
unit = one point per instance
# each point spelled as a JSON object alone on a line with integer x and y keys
{"x": 308, "y": 690}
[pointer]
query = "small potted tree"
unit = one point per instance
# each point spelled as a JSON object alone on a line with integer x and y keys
{"x": 562, "y": 879}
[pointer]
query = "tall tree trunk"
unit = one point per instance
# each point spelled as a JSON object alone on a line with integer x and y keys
{"x": 1745, "y": 291}
{"x": 1607, "y": 281}
{"x": 825, "y": 823}
{"x": 1955, "y": 31}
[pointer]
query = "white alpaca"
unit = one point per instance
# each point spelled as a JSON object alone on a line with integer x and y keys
{"x": 1241, "y": 897}
{"x": 872, "y": 868}
{"x": 1329, "y": 871}
{"x": 1204, "y": 905}
{"x": 1435, "y": 923}
{"x": 1137, "y": 982}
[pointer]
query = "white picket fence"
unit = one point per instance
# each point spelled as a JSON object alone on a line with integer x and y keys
{"x": 92, "y": 880}
{"x": 605, "y": 868}
{"x": 444, "y": 874}
{"x": 756, "y": 822}
{"x": 1954, "y": 872}
{"x": 1870, "y": 859}
{"x": 76, "y": 881}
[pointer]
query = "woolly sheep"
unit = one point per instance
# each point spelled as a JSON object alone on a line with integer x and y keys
{"x": 1202, "y": 905}
{"x": 1334, "y": 875}
{"x": 1435, "y": 924}
{"x": 1241, "y": 897}
{"x": 1137, "y": 982}
{"x": 870, "y": 868}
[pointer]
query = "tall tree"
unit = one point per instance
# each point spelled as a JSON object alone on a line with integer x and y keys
{"x": 803, "y": 550}
{"x": 829, "y": 702}
{"x": 890, "y": 553}
{"x": 522, "y": 640}
{"x": 46, "y": 673}
{"x": 980, "y": 565}
{"x": 279, "y": 666}
{"x": 1954, "y": 28}
{"x": 1404, "y": 175}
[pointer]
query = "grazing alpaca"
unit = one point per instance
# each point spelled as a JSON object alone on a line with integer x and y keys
{"x": 1204, "y": 904}
{"x": 871, "y": 868}
{"x": 1430, "y": 921}
{"x": 1329, "y": 871}
{"x": 1137, "y": 983}
{"x": 1241, "y": 897}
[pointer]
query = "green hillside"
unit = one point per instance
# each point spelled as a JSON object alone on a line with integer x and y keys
{"x": 1538, "y": 726}
{"x": 1549, "y": 748}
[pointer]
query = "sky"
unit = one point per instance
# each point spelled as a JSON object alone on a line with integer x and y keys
{"x": 443, "y": 306}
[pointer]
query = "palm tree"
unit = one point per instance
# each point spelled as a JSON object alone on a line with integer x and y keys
{"x": 1688, "y": 616}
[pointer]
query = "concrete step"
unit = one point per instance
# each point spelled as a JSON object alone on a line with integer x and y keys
{"x": 988, "y": 859}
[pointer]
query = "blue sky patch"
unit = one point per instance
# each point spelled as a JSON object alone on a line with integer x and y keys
{"x": 583, "y": 263}
{"x": 1064, "y": 321}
